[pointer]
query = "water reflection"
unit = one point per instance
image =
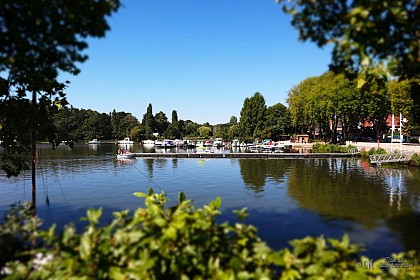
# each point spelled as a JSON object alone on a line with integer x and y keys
{"x": 338, "y": 188}
{"x": 126, "y": 147}
{"x": 255, "y": 172}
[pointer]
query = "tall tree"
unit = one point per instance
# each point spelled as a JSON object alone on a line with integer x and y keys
{"x": 349, "y": 103}
{"x": 174, "y": 117}
{"x": 174, "y": 130}
{"x": 161, "y": 122}
{"x": 278, "y": 120}
{"x": 148, "y": 122}
{"x": 377, "y": 107}
{"x": 298, "y": 101}
{"x": 253, "y": 112}
{"x": 401, "y": 101}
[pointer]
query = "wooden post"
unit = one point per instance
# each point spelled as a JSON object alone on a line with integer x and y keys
{"x": 33, "y": 150}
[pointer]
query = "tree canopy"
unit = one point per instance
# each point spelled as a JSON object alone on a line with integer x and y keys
{"x": 363, "y": 33}
{"x": 39, "y": 40}
{"x": 253, "y": 113}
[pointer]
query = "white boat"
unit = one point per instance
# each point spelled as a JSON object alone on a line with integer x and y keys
{"x": 199, "y": 144}
{"x": 148, "y": 142}
{"x": 94, "y": 141}
{"x": 158, "y": 143}
{"x": 179, "y": 143}
{"x": 126, "y": 141}
{"x": 218, "y": 142}
{"x": 126, "y": 155}
{"x": 207, "y": 144}
{"x": 168, "y": 143}
{"x": 235, "y": 143}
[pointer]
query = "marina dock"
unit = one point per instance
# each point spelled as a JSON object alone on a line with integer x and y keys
{"x": 243, "y": 155}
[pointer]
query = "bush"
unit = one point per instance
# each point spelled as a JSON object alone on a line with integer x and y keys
{"x": 331, "y": 148}
{"x": 415, "y": 160}
{"x": 365, "y": 153}
{"x": 185, "y": 243}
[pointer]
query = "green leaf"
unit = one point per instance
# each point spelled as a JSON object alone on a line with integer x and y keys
{"x": 216, "y": 203}
{"x": 140, "y": 194}
{"x": 181, "y": 197}
{"x": 93, "y": 215}
{"x": 241, "y": 214}
{"x": 85, "y": 247}
{"x": 361, "y": 82}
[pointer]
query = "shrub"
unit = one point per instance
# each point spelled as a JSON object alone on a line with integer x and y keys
{"x": 330, "y": 148}
{"x": 365, "y": 153}
{"x": 415, "y": 160}
{"x": 185, "y": 243}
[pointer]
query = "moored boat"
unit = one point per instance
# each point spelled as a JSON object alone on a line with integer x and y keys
{"x": 126, "y": 141}
{"x": 235, "y": 143}
{"x": 218, "y": 142}
{"x": 168, "y": 143}
{"x": 148, "y": 142}
{"x": 207, "y": 144}
{"x": 94, "y": 141}
{"x": 125, "y": 155}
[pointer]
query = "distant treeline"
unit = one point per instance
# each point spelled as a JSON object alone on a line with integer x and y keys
{"x": 318, "y": 106}
{"x": 256, "y": 121}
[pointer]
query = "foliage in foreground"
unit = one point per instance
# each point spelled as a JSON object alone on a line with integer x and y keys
{"x": 179, "y": 242}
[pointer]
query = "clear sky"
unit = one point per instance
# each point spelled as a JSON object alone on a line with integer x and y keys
{"x": 201, "y": 58}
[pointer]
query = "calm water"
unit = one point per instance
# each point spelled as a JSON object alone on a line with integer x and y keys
{"x": 286, "y": 198}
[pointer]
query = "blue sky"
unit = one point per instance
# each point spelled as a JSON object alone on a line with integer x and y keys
{"x": 201, "y": 58}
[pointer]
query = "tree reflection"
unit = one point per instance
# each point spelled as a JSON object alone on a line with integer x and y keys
{"x": 255, "y": 172}
{"x": 339, "y": 188}
{"x": 149, "y": 165}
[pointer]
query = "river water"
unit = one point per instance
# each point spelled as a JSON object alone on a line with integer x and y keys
{"x": 286, "y": 198}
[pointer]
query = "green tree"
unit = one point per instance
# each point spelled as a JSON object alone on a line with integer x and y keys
{"x": 174, "y": 130}
{"x": 278, "y": 120}
{"x": 221, "y": 131}
{"x": 303, "y": 116}
{"x": 96, "y": 125}
{"x": 161, "y": 122}
{"x": 38, "y": 41}
{"x": 174, "y": 117}
{"x": 233, "y": 120}
{"x": 148, "y": 122}
{"x": 401, "y": 101}
{"x": 349, "y": 103}
{"x": 400, "y": 97}
{"x": 363, "y": 33}
{"x": 204, "y": 131}
{"x": 377, "y": 107}
{"x": 191, "y": 128}
{"x": 253, "y": 112}
{"x": 135, "y": 133}
{"x": 122, "y": 123}
{"x": 233, "y": 131}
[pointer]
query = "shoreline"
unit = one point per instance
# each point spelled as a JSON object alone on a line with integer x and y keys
{"x": 405, "y": 147}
